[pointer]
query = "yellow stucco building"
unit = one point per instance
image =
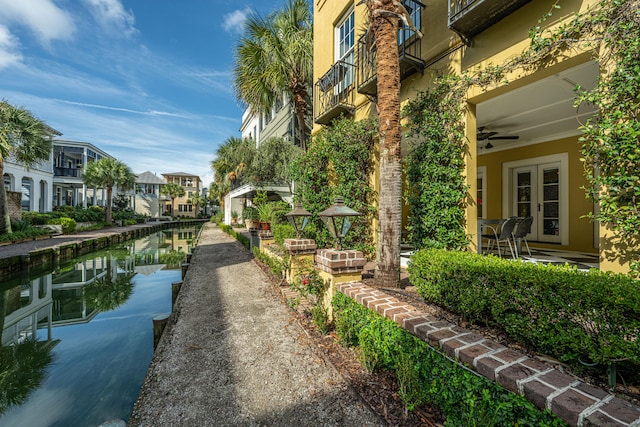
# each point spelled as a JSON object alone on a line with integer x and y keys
{"x": 524, "y": 153}
{"x": 192, "y": 185}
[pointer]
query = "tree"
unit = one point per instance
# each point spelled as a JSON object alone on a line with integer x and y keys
{"x": 196, "y": 200}
{"x": 232, "y": 158}
{"x": 108, "y": 173}
{"x": 25, "y": 139}
{"x": 172, "y": 190}
{"x": 383, "y": 25}
{"x": 275, "y": 55}
{"x": 272, "y": 162}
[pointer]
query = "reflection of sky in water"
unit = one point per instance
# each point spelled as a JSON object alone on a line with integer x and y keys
{"x": 99, "y": 366}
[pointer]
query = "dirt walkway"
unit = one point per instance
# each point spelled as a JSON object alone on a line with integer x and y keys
{"x": 232, "y": 356}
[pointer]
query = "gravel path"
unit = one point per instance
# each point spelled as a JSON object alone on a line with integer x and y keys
{"x": 231, "y": 355}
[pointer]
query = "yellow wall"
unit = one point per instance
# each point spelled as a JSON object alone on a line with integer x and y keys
{"x": 445, "y": 54}
{"x": 581, "y": 230}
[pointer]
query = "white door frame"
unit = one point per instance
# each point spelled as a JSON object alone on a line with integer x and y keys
{"x": 507, "y": 187}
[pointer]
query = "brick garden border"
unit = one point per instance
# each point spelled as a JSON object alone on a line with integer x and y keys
{"x": 572, "y": 400}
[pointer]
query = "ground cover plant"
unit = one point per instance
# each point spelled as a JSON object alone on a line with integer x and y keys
{"x": 427, "y": 376}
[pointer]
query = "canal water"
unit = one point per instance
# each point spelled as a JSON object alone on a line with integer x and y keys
{"x": 77, "y": 340}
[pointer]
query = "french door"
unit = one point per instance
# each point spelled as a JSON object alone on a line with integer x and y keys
{"x": 536, "y": 193}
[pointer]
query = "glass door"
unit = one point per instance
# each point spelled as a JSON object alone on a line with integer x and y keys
{"x": 536, "y": 193}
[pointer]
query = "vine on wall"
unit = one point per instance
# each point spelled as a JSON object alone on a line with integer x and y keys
{"x": 436, "y": 186}
{"x": 339, "y": 162}
{"x": 611, "y": 139}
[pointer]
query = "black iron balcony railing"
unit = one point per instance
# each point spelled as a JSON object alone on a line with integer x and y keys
{"x": 470, "y": 17}
{"x": 409, "y": 53}
{"x": 68, "y": 172}
{"x": 333, "y": 93}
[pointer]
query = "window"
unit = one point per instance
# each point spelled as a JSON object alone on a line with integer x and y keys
{"x": 345, "y": 37}
{"x": 414, "y": 9}
{"x": 26, "y": 194}
{"x": 179, "y": 208}
{"x": 7, "y": 182}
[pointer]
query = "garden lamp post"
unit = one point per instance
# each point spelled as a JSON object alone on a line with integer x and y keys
{"x": 337, "y": 219}
{"x": 298, "y": 218}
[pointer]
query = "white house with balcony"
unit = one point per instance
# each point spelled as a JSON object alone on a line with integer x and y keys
{"x": 70, "y": 159}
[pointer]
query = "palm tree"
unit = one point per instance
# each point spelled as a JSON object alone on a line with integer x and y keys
{"x": 172, "y": 190}
{"x": 275, "y": 55}
{"x": 196, "y": 200}
{"x": 383, "y": 23}
{"x": 25, "y": 139}
{"x": 108, "y": 173}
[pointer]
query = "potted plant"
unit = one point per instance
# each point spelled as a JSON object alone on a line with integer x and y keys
{"x": 265, "y": 213}
{"x": 250, "y": 215}
{"x": 234, "y": 217}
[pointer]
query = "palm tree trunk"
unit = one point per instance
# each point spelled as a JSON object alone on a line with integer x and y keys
{"x": 109, "y": 194}
{"x": 300, "y": 105}
{"x": 385, "y": 29}
{"x": 5, "y": 220}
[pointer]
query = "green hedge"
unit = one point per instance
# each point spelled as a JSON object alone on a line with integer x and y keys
{"x": 426, "y": 376}
{"x": 24, "y": 234}
{"x": 239, "y": 237}
{"x": 557, "y": 310}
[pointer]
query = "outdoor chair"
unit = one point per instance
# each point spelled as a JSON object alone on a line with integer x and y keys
{"x": 501, "y": 234}
{"x": 523, "y": 227}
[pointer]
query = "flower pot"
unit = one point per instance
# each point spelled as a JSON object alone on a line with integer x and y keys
{"x": 265, "y": 226}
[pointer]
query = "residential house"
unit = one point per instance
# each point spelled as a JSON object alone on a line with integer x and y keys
{"x": 524, "y": 153}
{"x": 182, "y": 206}
{"x": 147, "y": 198}
{"x": 70, "y": 158}
{"x": 35, "y": 183}
{"x": 280, "y": 122}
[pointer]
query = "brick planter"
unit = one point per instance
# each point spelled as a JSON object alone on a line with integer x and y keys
{"x": 575, "y": 402}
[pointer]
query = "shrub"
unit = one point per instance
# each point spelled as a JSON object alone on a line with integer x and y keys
{"x": 36, "y": 218}
{"x": 427, "y": 376}
{"x": 68, "y": 224}
{"x": 558, "y": 310}
{"x": 281, "y": 232}
{"x": 239, "y": 237}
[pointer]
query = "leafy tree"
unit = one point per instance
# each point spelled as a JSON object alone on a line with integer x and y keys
{"x": 272, "y": 161}
{"x": 108, "y": 173}
{"x": 172, "y": 190}
{"x": 275, "y": 55}
{"x": 25, "y": 139}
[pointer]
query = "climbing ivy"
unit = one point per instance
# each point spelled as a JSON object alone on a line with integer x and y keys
{"x": 436, "y": 188}
{"x": 339, "y": 162}
{"x": 611, "y": 139}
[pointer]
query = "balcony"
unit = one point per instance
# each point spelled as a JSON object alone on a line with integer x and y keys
{"x": 470, "y": 17}
{"x": 333, "y": 93}
{"x": 409, "y": 53}
{"x": 68, "y": 172}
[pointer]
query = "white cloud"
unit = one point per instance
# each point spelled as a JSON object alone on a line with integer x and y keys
{"x": 111, "y": 15}
{"x": 9, "y": 48}
{"x": 234, "y": 22}
{"x": 42, "y": 17}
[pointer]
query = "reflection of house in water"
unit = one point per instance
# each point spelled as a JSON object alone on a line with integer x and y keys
{"x": 182, "y": 239}
{"x": 27, "y": 306}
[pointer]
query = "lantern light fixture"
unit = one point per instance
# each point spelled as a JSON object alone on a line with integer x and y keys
{"x": 338, "y": 219}
{"x": 298, "y": 218}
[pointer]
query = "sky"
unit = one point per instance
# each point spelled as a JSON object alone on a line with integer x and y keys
{"x": 147, "y": 81}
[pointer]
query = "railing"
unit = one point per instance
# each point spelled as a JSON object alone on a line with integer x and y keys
{"x": 68, "y": 172}
{"x": 409, "y": 53}
{"x": 333, "y": 93}
{"x": 470, "y": 17}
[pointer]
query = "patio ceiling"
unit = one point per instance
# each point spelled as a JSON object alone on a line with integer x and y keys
{"x": 538, "y": 112}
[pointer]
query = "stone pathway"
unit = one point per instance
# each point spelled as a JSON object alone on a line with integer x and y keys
{"x": 232, "y": 356}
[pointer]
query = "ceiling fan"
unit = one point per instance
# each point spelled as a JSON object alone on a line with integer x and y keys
{"x": 488, "y": 136}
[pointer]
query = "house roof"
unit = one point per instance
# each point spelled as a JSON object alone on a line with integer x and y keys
{"x": 148, "y": 178}
{"x": 180, "y": 174}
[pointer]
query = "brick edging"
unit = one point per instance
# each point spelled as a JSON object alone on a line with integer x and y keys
{"x": 574, "y": 401}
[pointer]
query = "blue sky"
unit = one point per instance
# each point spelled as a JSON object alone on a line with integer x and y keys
{"x": 148, "y": 81}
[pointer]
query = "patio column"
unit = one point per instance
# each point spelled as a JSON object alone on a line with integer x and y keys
{"x": 335, "y": 267}
{"x": 471, "y": 171}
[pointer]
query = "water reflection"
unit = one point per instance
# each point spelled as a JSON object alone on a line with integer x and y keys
{"x": 77, "y": 340}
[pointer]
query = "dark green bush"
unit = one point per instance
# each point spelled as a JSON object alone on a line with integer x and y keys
{"x": 427, "y": 376}
{"x": 238, "y": 236}
{"x": 24, "y": 234}
{"x": 281, "y": 232}
{"x": 36, "y": 218}
{"x": 558, "y": 310}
